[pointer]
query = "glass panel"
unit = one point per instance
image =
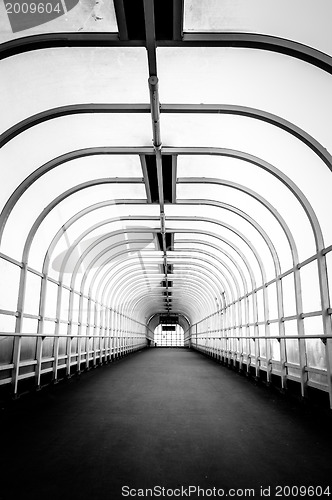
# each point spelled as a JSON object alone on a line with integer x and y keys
{"x": 313, "y": 325}
{"x": 292, "y": 345}
{"x": 315, "y": 348}
{"x": 23, "y": 155}
{"x": 272, "y": 301}
{"x": 7, "y": 324}
{"x": 291, "y": 20}
{"x": 329, "y": 272}
{"x": 6, "y": 350}
{"x": 51, "y": 299}
{"x": 48, "y": 343}
{"x": 76, "y": 300}
{"x": 64, "y": 304}
{"x": 275, "y": 345}
{"x": 84, "y": 313}
{"x": 310, "y": 288}
{"x": 219, "y": 73}
{"x": 53, "y": 16}
{"x": 260, "y": 305}
{"x": 288, "y": 293}
{"x": 262, "y": 344}
{"x": 251, "y": 311}
{"x": 28, "y": 345}
{"x": 9, "y": 283}
{"x": 32, "y": 294}
{"x": 61, "y": 76}
{"x": 29, "y": 325}
{"x": 221, "y": 81}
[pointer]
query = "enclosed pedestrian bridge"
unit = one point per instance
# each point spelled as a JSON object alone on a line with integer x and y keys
{"x": 166, "y": 182}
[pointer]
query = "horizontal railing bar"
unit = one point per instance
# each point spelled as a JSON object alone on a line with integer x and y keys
{"x": 52, "y": 335}
{"x": 238, "y": 337}
{"x": 286, "y": 337}
{"x": 6, "y": 367}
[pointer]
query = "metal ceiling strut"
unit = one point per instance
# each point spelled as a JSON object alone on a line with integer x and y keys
{"x": 155, "y": 116}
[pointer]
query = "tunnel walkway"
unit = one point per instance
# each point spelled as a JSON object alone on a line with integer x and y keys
{"x": 168, "y": 417}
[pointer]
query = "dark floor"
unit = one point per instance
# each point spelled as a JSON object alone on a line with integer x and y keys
{"x": 161, "y": 417}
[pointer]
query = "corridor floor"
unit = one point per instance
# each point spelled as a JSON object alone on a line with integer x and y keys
{"x": 161, "y": 417}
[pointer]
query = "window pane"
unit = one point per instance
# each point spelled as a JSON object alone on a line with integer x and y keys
{"x": 32, "y": 294}
{"x": 272, "y": 300}
{"x": 9, "y": 283}
{"x": 288, "y": 294}
{"x": 51, "y": 300}
{"x": 61, "y": 76}
{"x": 310, "y": 288}
{"x": 7, "y": 324}
{"x": 292, "y": 345}
{"x": 23, "y": 155}
{"x": 291, "y": 20}
{"x": 315, "y": 348}
{"x": 217, "y": 75}
{"x": 55, "y": 16}
{"x": 275, "y": 344}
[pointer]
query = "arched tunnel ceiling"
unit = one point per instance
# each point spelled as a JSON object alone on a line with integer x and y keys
{"x": 169, "y": 158}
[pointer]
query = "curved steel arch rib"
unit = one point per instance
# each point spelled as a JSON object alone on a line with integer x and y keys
{"x": 278, "y": 174}
{"x": 123, "y": 262}
{"x": 116, "y": 296}
{"x": 229, "y": 39}
{"x": 219, "y": 249}
{"x": 191, "y": 285}
{"x": 184, "y": 302}
{"x": 224, "y": 109}
{"x": 60, "y": 160}
{"x": 133, "y": 202}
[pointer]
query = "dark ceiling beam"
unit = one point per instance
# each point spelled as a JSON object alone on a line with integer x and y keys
{"x": 150, "y": 34}
{"x": 121, "y": 19}
{"x": 178, "y": 19}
